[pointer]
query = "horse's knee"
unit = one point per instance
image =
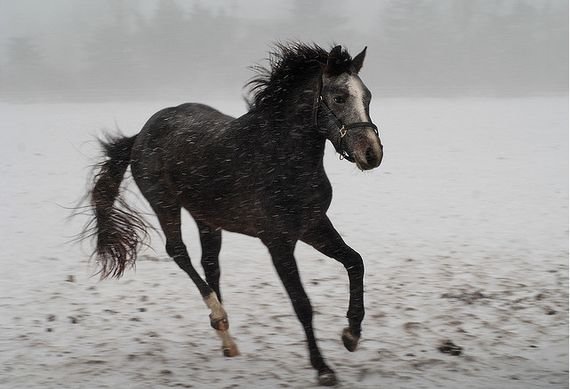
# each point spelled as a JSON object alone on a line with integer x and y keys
{"x": 354, "y": 264}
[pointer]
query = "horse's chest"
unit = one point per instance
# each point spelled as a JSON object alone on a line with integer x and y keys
{"x": 308, "y": 199}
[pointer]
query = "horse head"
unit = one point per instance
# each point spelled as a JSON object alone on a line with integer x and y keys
{"x": 342, "y": 110}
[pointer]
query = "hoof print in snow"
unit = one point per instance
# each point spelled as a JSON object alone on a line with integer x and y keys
{"x": 448, "y": 347}
{"x": 468, "y": 297}
{"x": 550, "y": 311}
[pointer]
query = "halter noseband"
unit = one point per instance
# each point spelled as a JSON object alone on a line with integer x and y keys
{"x": 342, "y": 128}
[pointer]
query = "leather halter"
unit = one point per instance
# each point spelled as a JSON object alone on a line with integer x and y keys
{"x": 342, "y": 128}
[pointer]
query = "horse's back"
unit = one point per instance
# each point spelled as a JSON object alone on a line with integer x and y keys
{"x": 197, "y": 112}
{"x": 166, "y": 138}
{"x": 183, "y": 122}
{"x": 185, "y": 117}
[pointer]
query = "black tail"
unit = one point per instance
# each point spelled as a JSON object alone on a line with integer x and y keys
{"x": 118, "y": 229}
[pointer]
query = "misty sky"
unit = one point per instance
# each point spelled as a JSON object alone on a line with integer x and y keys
{"x": 65, "y": 49}
{"x": 33, "y": 16}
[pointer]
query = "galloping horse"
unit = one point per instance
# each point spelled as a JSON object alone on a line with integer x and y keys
{"x": 260, "y": 174}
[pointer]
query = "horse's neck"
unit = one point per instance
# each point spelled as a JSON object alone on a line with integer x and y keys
{"x": 295, "y": 130}
{"x": 298, "y": 140}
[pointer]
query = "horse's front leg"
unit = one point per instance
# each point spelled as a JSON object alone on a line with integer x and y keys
{"x": 324, "y": 237}
{"x": 286, "y": 266}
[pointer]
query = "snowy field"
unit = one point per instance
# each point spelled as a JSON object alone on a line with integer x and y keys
{"x": 463, "y": 229}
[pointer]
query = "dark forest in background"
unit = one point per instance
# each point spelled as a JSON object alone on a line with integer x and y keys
{"x": 416, "y": 48}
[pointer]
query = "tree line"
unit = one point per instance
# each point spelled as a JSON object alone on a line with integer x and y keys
{"x": 416, "y": 47}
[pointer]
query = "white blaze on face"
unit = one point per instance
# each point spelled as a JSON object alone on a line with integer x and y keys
{"x": 356, "y": 90}
{"x": 372, "y": 146}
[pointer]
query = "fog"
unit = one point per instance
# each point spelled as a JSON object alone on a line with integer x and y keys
{"x": 463, "y": 229}
{"x": 81, "y": 50}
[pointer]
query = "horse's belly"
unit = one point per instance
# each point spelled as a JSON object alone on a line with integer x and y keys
{"x": 225, "y": 212}
{"x": 243, "y": 207}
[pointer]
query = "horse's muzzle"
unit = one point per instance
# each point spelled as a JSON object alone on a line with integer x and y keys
{"x": 368, "y": 155}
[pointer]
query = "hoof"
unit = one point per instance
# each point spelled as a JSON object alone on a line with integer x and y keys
{"x": 350, "y": 341}
{"x": 231, "y": 351}
{"x": 327, "y": 378}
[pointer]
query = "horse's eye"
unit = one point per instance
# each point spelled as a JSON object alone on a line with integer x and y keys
{"x": 339, "y": 99}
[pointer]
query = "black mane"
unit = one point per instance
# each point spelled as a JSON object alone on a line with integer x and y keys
{"x": 289, "y": 64}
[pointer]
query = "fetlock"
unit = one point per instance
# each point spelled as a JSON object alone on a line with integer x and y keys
{"x": 220, "y": 324}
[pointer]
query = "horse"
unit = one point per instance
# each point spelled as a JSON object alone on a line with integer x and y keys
{"x": 260, "y": 174}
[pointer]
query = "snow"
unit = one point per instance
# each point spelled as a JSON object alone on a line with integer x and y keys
{"x": 463, "y": 229}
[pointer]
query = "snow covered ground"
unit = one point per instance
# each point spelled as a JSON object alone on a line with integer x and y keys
{"x": 464, "y": 231}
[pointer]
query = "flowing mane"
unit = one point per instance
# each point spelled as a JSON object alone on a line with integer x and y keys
{"x": 289, "y": 64}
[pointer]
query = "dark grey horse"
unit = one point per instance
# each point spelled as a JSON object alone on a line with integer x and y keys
{"x": 260, "y": 174}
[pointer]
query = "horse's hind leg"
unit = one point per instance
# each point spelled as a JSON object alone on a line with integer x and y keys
{"x": 211, "y": 240}
{"x": 169, "y": 218}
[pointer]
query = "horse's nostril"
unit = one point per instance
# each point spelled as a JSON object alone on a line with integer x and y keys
{"x": 370, "y": 157}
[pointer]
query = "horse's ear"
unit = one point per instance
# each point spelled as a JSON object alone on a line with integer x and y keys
{"x": 359, "y": 60}
{"x": 334, "y": 55}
